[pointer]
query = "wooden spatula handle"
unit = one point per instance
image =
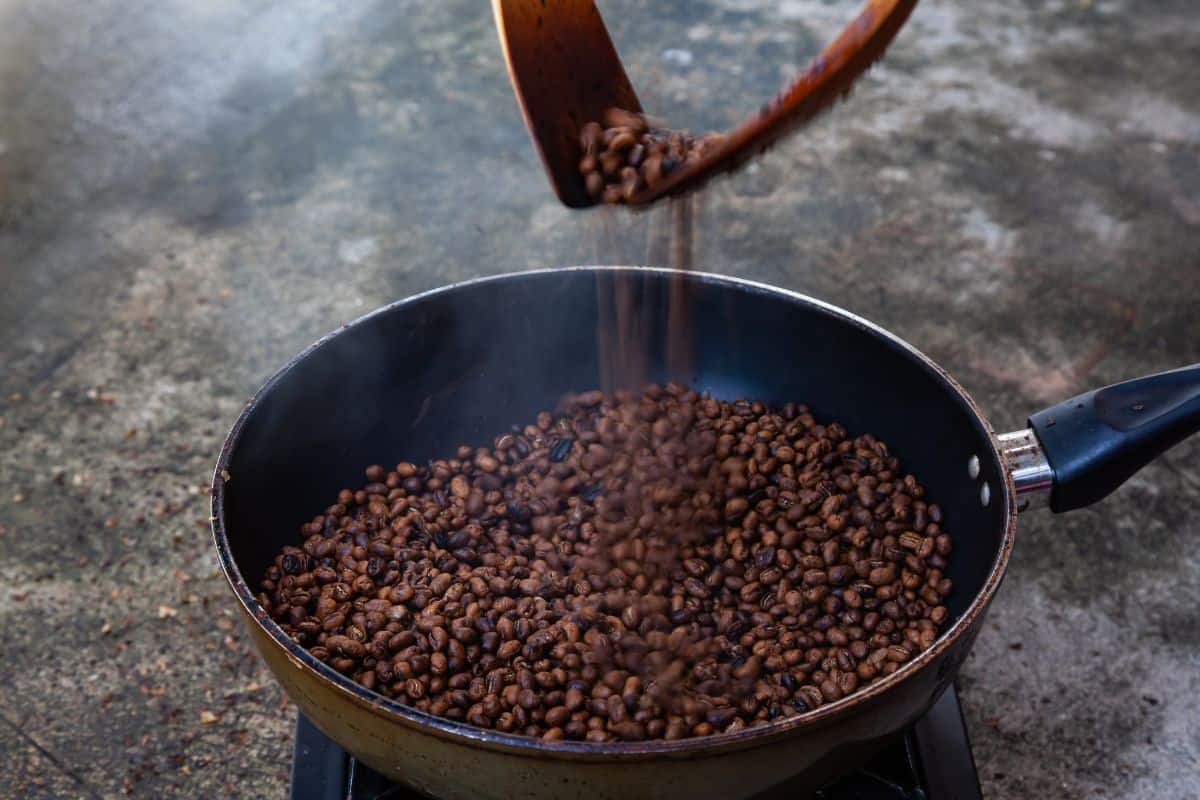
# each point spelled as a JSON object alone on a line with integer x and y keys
{"x": 826, "y": 78}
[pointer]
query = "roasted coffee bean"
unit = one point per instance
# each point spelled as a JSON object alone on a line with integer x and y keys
{"x": 346, "y": 646}
{"x": 561, "y": 449}
{"x": 691, "y": 567}
{"x": 590, "y": 493}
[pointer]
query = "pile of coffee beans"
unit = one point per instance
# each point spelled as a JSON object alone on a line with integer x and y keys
{"x": 626, "y": 155}
{"x": 645, "y": 565}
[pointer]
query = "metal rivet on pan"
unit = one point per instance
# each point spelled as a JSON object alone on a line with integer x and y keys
{"x": 973, "y": 467}
{"x": 985, "y": 494}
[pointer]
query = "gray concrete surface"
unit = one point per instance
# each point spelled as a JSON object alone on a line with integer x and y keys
{"x": 190, "y": 191}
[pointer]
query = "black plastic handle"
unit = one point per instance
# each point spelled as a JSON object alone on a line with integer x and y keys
{"x": 1095, "y": 441}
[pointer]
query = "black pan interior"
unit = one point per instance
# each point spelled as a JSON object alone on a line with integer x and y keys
{"x": 413, "y": 381}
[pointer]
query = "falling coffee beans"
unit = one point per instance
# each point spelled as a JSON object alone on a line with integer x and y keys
{"x": 657, "y": 565}
{"x": 625, "y": 155}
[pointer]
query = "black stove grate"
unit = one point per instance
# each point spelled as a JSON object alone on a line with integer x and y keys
{"x": 932, "y": 761}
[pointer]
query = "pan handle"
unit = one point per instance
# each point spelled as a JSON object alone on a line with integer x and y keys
{"x": 1077, "y": 452}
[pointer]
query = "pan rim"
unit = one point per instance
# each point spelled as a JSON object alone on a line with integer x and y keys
{"x": 465, "y": 734}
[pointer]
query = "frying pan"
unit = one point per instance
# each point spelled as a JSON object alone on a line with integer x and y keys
{"x": 460, "y": 364}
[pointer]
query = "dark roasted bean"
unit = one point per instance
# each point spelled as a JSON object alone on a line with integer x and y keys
{"x": 561, "y": 449}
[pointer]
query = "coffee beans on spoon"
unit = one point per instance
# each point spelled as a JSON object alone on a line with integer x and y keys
{"x": 638, "y": 566}
{"x": 626, "y": 155}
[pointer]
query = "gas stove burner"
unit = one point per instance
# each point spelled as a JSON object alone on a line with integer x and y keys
{"x": 932, "y": 761}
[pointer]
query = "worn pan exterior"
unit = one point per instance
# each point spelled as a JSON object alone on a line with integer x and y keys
{"x": 450, "y": 760}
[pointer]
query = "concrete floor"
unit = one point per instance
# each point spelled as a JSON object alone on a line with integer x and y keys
{"x": 191, "y": 191}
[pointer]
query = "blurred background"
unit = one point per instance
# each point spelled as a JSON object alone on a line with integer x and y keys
{"x": 193, "y": 190}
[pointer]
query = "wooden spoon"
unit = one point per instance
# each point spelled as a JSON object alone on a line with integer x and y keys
{"x": 566, "y": 73}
